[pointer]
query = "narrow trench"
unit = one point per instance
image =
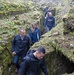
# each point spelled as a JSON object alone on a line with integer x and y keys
{"x": 58, "y": 64}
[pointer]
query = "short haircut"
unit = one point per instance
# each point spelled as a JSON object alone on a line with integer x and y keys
{"x": 21, "y": 29}
{"x": 50, "y": 13}
{"x": 41, "y": 49}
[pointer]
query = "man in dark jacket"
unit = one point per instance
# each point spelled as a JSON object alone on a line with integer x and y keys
{"x": 34, "y": 33}
{"x": 20, "y": 46}
{"x": 49, "y": 22}
{"x": 33, "y": 63}
{"x": 48, "y": 10}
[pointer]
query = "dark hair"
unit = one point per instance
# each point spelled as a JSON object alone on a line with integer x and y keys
{"x": 41, "y": 49}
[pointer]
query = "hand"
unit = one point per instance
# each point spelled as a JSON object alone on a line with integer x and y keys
{"x": 14, "y": 53}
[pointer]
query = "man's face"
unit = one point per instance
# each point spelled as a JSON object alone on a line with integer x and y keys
{"x": 34, "y": 25}
{"x": 22, "y": 32}
{"x": 40, "y": 55}
{"x": 50, "y": 14}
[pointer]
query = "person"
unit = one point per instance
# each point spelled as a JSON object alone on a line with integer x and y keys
{"x": 34, "y": 62}
{"x": 49, "y": 22}
{"x": 20, "y": 46}
{"x": 34, "y": 33}
{"x": 46, "y": 12}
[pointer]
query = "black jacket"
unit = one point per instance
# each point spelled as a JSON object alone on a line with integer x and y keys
{"x": 32, "y": 66}
{"x": 20, "y": 46}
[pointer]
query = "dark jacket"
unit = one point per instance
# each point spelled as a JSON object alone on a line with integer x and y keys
{"x": 32, "y": 66}
{"x": 35, "y": 35}
{"x": 46, "y": 12}
{"x": 20, "y": 46}
{"x": 50, "y": 21}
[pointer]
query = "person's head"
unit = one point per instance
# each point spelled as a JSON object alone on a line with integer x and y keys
{"x": 22, "y": 32}
{"x": 40, "y": 52}
{"x": 50, "y": 14}
{"x": 34, "y": 25}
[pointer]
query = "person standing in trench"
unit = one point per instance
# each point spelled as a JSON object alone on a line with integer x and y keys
{"x": 34, "y": 33}
{"x": 34, "y": 62}
{"x": 20, "y": 46}
{"x": 49, "y": 22}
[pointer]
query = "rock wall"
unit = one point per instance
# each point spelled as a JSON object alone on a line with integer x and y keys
{"x": 60, "y": 49}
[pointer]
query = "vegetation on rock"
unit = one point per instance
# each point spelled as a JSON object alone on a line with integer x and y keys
{"x": 59, "y": 47}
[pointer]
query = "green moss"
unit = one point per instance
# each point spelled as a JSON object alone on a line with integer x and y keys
{"x": 1, "y": 48}
{"x": 71, "y": 15}
{"x": 71, "y": 10}
{"x": 10, "y": 9}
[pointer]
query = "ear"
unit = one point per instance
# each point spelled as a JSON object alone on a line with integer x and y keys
{"x": 37, "y": 52}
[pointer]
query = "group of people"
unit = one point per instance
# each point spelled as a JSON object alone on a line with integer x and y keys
{"x": 32, "y": 61}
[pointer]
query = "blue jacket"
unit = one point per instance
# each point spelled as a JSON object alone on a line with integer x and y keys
{"x": 35, "y": 35}
{"x": 20, "y": 46}
{"x": 31, "y": 65}
{"x": 50, "y": 21}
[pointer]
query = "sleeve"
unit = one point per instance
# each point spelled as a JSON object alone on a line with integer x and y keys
{"x": 28, "y": 44}
{"x": 13, "y": 44}
{"x": 23, "y": 67}
{"x": 43, "y": 66}
{"x": 30, "y": 33}
{"x": 45, "y": 22}
{"x": 53, "y": 22}
{"x": 38, "y": 34}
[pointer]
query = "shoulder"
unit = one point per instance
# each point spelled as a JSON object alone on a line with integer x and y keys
{"x": 27, "y": 59}
{"x": 27, "y": 36}
{"x": 30, "y": 51}
{"x": 16, "y": 36}
{"x": 53, "y": 17}
{"x": 31, "y": 29}
{"x": 37, "y": 28}
{"x": 47, "y": 17}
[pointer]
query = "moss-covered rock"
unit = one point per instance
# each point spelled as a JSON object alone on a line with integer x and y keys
{"x": 68, "y": 23}
{"x": 59, "y": 47}
{"x": 9, "y": 27}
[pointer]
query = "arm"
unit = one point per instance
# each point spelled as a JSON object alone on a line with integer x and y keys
{"x": 53, "y": 22}
{"x": 38, "y": 34}
{"x": 43, "y": 66}
{"x": 45, "y": 23}
{"x": 14, "y": 45}
{"x": 23, "y": 67}
{"x": 28, "y": 44}
{"x": 30, "y": 34}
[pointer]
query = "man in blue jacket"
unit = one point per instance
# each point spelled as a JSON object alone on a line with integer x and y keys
{"x": 49, "y": 22}
{"x": 34, "y": 33}
{"x": 20, "y": 46}
{"x": 33, "y": 63}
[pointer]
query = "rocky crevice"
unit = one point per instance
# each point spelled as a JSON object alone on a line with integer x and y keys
{"x": 59, "y": 64}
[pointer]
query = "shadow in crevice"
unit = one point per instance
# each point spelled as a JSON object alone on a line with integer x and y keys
{"x": 67, "y": 63}
{"x": 59, "y": 64}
